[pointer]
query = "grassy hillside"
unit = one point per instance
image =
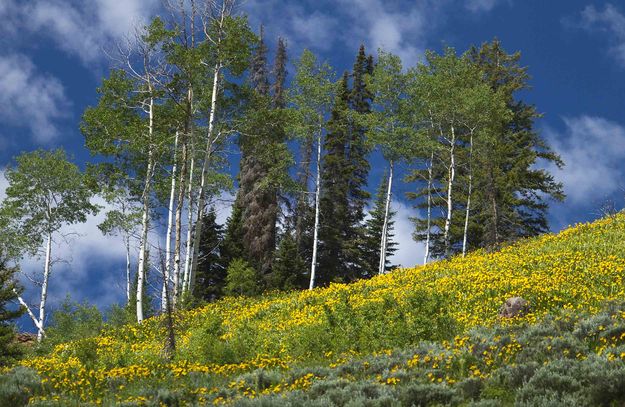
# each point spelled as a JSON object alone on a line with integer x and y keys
{"x": 430, "y": 331}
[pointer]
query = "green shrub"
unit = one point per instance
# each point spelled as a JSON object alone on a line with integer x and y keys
{"x": 17, "y": 386}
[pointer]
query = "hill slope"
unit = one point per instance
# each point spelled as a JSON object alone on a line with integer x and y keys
{"x": 239, "y": 348}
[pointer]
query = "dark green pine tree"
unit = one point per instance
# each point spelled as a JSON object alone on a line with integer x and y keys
{"x": 211, "y": 270}
{"x": 373, "y": 237}
{"x": 265, "y": 160}
{"x": 232, "y": 247}
{"x": 289, "y": 269}
{"x": 9, "y": 350}
{"x": 357, "y": 156}
{"x": 334, "y": 204}
{"x": 512, "y": 191}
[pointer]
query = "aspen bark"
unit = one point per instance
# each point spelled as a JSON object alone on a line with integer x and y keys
{"x": 426, "y": 256}
{"x": 189, "y": 241}
{"x": 450, "y": 185}
{"x": 170, "y": 221}
{"x": 44, "y": 287}
{"x": 145, "y": 218}
{"x": 387, "y": 206}
{"x": 202, "y": 193}
{"x": 468, "y": 208}
{"x": 127, "y": 243}
{"x": 313, "y": 266}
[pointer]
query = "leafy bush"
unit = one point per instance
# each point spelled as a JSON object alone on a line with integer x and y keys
{"x": 17, "y": 386}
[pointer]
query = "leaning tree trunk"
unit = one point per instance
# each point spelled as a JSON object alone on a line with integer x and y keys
{"x": 44, "y": 287}
{"x": 450, "y": 185}
{"x": 189, "y": 241}
{"x": 313, "y": 265}
{"x": 202, "y": 193}
{"x": 170, "y": 221}
{"x": 426, "y": 256}
{"x": 468, "y": 208}
{"x": 387, "y": 207}
{"x": 127, "y": 243}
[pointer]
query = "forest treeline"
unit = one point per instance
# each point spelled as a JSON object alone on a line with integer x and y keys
{"x": 198, "y": 88}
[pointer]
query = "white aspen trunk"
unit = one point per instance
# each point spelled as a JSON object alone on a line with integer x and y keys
{"x": 145, "y": 221}
{"x": 450, "y": 185}
{"x": 387, "y": 207}
{"x": 30, "y": 312}
{"x": 44, "y": 287}
{"x": 170, "y": 221}
{"x": 313, "y": 265}
{"x": 181, "y": 194}
{"x": 202, "y": 193}
{"x": 426, "y": 256}
{"x": 189, "y": 242}
{"x": 127, "y": 242}
{"x": 468, "y": 209}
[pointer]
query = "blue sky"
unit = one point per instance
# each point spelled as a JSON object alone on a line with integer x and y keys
{"x": 52, "y": 60}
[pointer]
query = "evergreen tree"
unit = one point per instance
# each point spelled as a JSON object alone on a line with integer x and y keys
{"x": 334, "y": 203}
{"x": 211, "y": 271}
{"x": 265, "y": 160}
{"x": 357, "y": 157}
{"x": 9, "y": 290}
{"x": 241, "y": 279}
{"x": 512, "y": 192}
{"x": 289, "y": 269}
{"x": 375, "y": 227}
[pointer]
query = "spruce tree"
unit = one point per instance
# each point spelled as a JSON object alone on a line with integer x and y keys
{"x": 9, "y": 350}
{"x": 265, "y": 160}
{"x": 357, "y": 156}
{"x": 374, "y": 228}
{"x": 211, "y": 270}
{"x": 334, "y": 202}
{"x": 512, "y": 192}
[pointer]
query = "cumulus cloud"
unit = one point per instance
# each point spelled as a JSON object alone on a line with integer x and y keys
{"x": 610, "y": 21}
{"x": 30, "y": 99}
{"x": 399, "y": 27}
{"x": 79, "y": 28}
{"x": 593, "y": 149}
{"x": 478, "y": 6}
{"x": 409, "y": 253}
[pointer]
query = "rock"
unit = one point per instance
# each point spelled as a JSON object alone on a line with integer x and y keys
{"x": 514, "y": 307}
{"x": 26, "y": 338}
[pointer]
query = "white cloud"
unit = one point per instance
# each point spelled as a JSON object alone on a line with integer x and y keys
{"x": 409, "y": 253}
{"x": 77, "y": 27}
{"x": 611, "y": 21}
{"x": 29, "y": 98}
{"x": 478, "y": 6}
{"x": 321, "y": 25}
{"x": 593, "y": 149}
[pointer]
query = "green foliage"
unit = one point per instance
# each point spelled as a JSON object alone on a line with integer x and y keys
{"x": 18, "y": 386}
{"x": 286, "y": 273}
{"x": 241, "y": 279}
{"x": 9, "y": 350}
{"x": 373, "y": 237}
{"x": 211, "y": 268}
{"x": 73, "y": 321}
{"x": 45, "y": 192}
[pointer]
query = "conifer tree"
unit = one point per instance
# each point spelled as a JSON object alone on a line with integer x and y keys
{"x": 9, "y": 290}
{"x": 211, "y": 271}
{"x": 375, "y": 229}
{"x": 334, "y": 202}
{"x": 512, "y": 192}
{"x": 357, "y": 155}
{"x": 265, "y": 159}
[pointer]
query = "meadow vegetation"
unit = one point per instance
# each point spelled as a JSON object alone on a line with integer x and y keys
{"x": 422, "y": 336}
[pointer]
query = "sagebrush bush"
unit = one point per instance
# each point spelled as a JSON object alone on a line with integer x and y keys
{"x": 17, "y": 386}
